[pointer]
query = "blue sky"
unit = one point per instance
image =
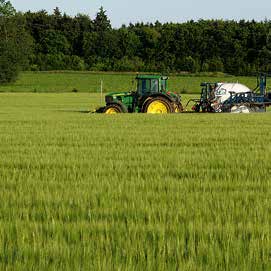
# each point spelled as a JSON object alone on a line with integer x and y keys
{"x": 124, "y": 12}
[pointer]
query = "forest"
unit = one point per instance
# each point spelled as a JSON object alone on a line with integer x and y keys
{"x": 58, "y": 41}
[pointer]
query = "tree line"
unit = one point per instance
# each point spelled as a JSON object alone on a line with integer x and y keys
{"x": 15, "y": 43}
{"x": 60, "y": 42}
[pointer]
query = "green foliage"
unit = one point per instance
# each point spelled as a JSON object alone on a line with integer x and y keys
{"x": 6, "y": 8}
{"x": 15, "y": 47}
{"x": 81, "y": 191}
{"x": 128, "y": 64}
{"x": 238, "y": 48}
{"x": 190, "y": 64}
{"x": 101, "y": 65}
{"x": 9, "y": 67}
{"x": 265, "y": 58}
{"x": 75, "y": 63}
{"x": 127, "y": 43}
{"x": 214, "y": 65}
{"x": 58, "y": 61}
{"x": 54, "y": 42}
{"x": 101, "y": 22}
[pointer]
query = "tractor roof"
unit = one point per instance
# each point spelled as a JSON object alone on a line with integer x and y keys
{"x": 151, "y": 76}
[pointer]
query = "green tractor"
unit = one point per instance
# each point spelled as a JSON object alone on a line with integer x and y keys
{"x": 151, "y": 96}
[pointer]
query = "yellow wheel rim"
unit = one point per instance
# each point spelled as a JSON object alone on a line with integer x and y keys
{"x": 111, "y": 110}
{"x": 157, "y": 107}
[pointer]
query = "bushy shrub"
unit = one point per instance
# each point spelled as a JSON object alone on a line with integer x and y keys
{"x": 102, "y": 65}
{"x": 9, "y": 67}
{"x": 190, "y": 64}
{"x": 129, "y": 64}
{"x": 75, "y": 63}
{"x": 58, "y": 62}
{"x": 213, "y": 65}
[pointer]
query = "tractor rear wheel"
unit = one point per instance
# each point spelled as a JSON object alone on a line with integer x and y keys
{"x": 158, "y": 105}
{"x": 113, "y": 109}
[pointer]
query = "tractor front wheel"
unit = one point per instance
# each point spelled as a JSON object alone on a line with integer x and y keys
{"x": 113, "y": 109}
{"x": 158, "y": 105}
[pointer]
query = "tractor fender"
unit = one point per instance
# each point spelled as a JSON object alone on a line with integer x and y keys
{"x": 156, "y": 95}
{"x": 123, "y": 107}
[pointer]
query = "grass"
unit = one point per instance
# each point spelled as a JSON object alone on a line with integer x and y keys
{"x": 131, "y": 192}
{"x": 90, "y": 82}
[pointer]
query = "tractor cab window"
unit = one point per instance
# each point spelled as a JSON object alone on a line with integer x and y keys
{"x": 143, "y": 86}
{"x": 147, "y": 85}
{"x": 163, "y": 85}
{"x": 154, "y": 85}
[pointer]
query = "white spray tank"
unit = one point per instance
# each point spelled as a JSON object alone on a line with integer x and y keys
{"x": 223, "y": 90}
{"x": 222, "y": 93}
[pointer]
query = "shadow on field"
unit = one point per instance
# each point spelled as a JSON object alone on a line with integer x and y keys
{"x": 74, "y": 111}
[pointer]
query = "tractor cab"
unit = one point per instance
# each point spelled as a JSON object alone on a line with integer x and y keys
{"x": 149, "y": 84}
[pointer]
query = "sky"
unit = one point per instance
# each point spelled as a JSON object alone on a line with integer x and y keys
{"x": 123, "y": 12}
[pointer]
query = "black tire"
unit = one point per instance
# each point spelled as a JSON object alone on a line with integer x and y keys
{"x": 114, "y": 108}
{"x": 166, "y": 104}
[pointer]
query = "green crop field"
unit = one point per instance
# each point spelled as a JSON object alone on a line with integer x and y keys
{"x": 91, "y": 82}
{"x": 131, "y": 191}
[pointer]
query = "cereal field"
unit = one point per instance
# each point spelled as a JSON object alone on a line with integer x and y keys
{"x": 83, "y": 191}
